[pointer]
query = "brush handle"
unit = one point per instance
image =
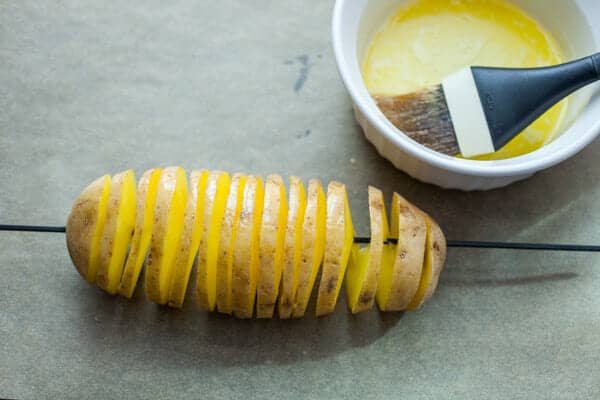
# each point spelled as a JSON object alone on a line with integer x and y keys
{"x": 513, "y": 98}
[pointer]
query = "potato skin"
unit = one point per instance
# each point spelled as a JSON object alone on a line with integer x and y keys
{"x": 312, "y": 245}
{"x": 292, "y": 247}
{"x": 337, "y": 250}
{"x": 215, "y": 202}
{"x": 435, "y": 256}
{"x": 226, "y": 242}
{"x": 271, "y": 243}
{"x": 81, "y": 226}
{"x": 379, "y": 232}
{"x": 410, "y": 228}
{"x": 244, "y": 271}
{"x": 164, "y": 198}
{"x": 145, "y": 198}
{"x": 111, "y": 260}
{"x": 438, "y": 255}
{"x": 189, "y": 241}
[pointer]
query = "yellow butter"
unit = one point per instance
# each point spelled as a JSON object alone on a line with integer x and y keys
{"x": 426, "y": 40}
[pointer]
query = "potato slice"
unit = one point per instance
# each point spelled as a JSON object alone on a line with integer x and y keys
{"x": 190, "y": 238}
{"x": 400, "y": 273}
{"x": 363, "y": 269}
{"x": 228, "y": 232}
{"x": 144, "y": 216}
{"x": 116, "y": 235}
{"x": 313, "y": 245}
{"x": 292, "y": 247}
{"x": 339, "y": 237}
{"x": 244, "y": 272}
{"x": 171, "y": 199}
{"x": 217, "y": 190}
{"x": 435, "y": 256}
{"x": 272, "y": 235}
{"x": 84, "y": 227}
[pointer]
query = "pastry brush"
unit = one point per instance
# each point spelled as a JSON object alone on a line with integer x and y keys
{"x": 478, "y": 110}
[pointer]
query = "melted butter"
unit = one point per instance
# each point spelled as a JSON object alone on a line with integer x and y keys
{"x": 426, "y": 40}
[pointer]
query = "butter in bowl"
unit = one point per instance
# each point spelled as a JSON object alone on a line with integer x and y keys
{"x": 398, "y": 47}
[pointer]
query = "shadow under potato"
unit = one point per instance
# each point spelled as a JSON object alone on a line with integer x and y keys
{"x": 140, "y": 331}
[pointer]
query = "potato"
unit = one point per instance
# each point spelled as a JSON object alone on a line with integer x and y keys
{"x": 339, "y": 237}
{"x": 244, "y": 271}
{"x": 190, "y": 238}
{"x": 116, "y": 235}
{"x": 270, "y": 257}
{"x": 363, "y": 269}
{"x": 251, "y": 245}
{"x": 400, "y": 273}
{"x": 144, "y": 216}
{"x": 292, "y": 247}
{"x": 217, "y": 190}
{"x": 435, "y": 256}
{"x": 313, "y": 245}
{"x": 437, "y": 253}
{"x": 228, "y": 232}
{"x": 84, "y": 227}
{"x": 171, "y": 199}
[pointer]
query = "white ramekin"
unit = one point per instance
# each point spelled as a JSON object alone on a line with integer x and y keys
{"x": 570, "y": 21}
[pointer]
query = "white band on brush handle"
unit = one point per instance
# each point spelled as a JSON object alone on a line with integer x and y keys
{"x": 466, "y": 110}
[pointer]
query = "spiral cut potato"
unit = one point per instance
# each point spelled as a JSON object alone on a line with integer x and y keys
{"x": 255, "y": 250}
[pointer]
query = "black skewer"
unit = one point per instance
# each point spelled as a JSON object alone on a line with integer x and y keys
{"x": 31, "y": 228}
{"x": 523, "y": 246}
{"x": 365, "y": 240}
{"x": 503, "y": 245}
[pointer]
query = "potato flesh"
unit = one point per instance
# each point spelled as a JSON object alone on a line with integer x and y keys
{"x": 363, "y": 270}
{"x": 313, "y": 246}
{"x": 190, "y": 238}
{"x": 339, "y": 238}
{"x": 120, "y": 222}
{"x": 246, "y": 251}
{"x": 355, "y": 276}
{"x": 145, "y": 199}
{"x": 217, "y": 190}
{"x": 292, "y": 247}
{"x": 272, "y": 235}
{"x": 168, "y": 225}
{"x": 230, "y": 231}
{"x": 386, "y": 275}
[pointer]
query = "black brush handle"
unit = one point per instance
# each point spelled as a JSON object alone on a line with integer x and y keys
{"x": 513, "y": 98}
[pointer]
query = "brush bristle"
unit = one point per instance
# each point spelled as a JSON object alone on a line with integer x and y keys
{"x": 424, "y": 117}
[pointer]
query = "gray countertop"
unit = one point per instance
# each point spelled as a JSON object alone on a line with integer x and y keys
{"x": 89, "y": 87}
